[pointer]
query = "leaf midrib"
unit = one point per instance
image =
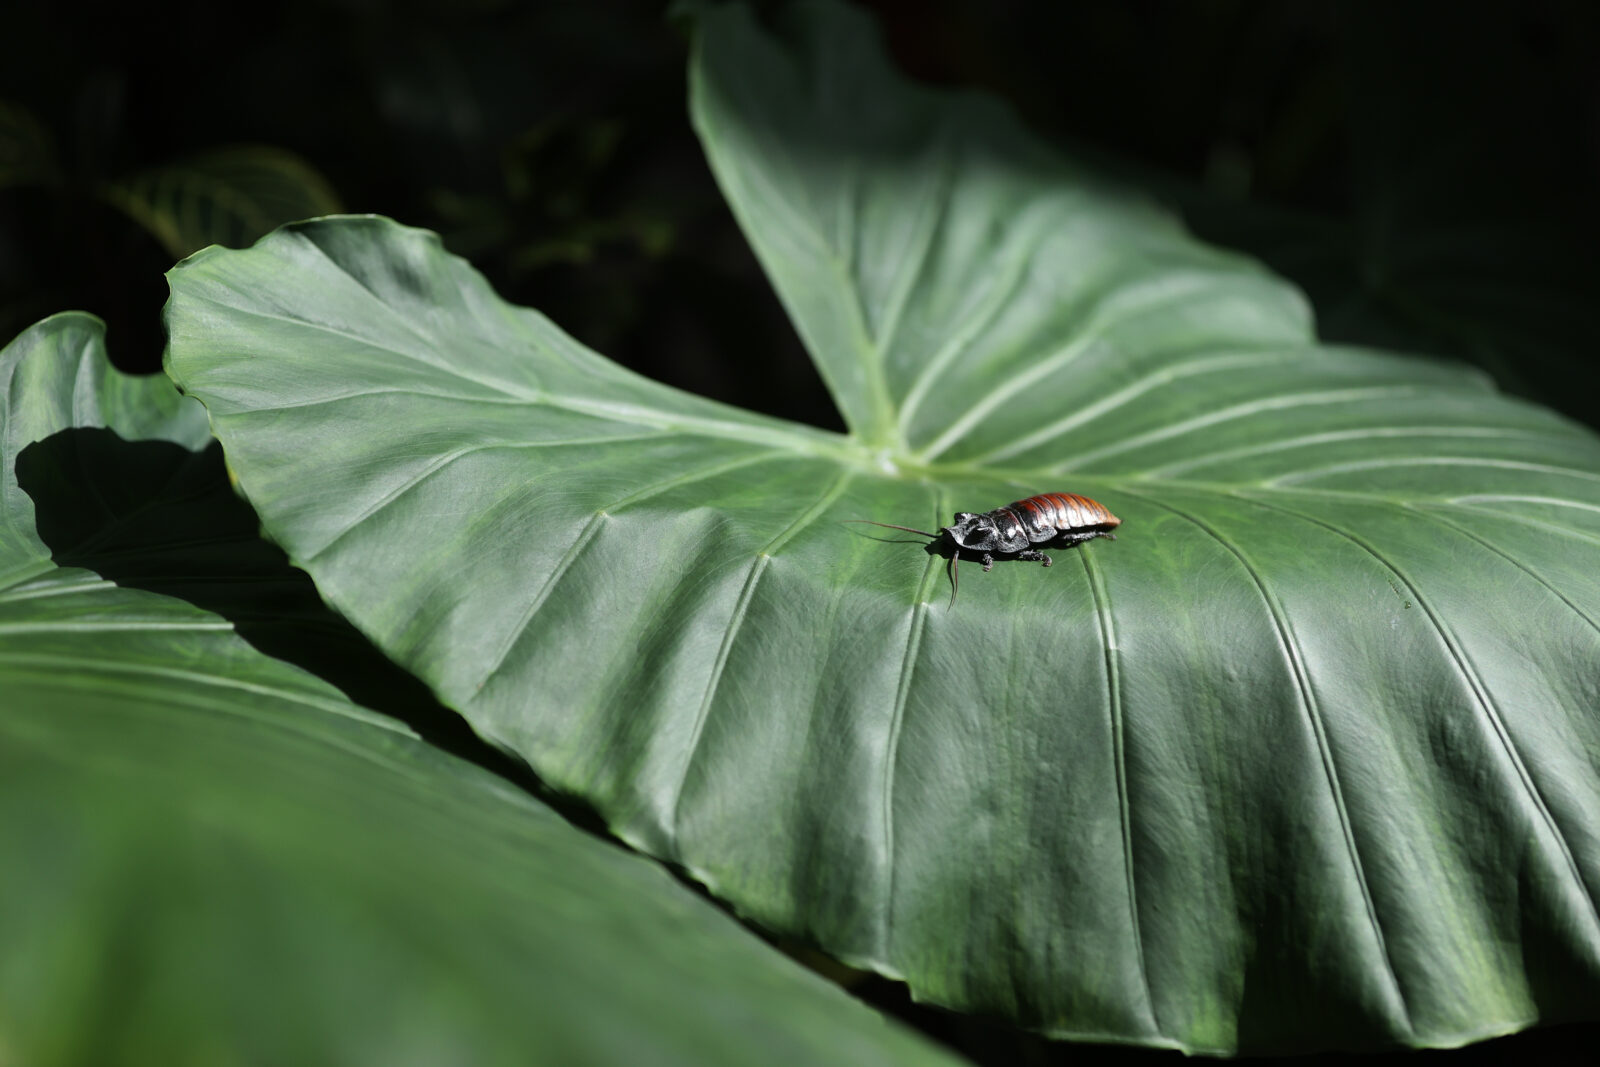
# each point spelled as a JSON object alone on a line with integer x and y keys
{"x": 852, "y": 452}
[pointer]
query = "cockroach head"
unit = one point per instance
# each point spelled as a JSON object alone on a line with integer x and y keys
{"x": 971, "y": 531}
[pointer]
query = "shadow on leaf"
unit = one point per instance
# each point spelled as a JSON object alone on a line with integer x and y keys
{"x": 155, "y": 516}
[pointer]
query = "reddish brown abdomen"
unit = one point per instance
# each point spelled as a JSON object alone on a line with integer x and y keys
{"x": 1050, "y": 513}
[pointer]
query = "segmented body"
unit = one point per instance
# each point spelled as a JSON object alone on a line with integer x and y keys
{"x": 1052, "y": 517}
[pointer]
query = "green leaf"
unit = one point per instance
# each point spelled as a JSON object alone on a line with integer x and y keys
{"x": 228, "y": 196}
{"x": 1308, "y": 757}
{"x": 213, "y": 856}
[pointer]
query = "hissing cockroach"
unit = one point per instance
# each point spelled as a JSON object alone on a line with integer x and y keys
{"x": 1052, "y": 520}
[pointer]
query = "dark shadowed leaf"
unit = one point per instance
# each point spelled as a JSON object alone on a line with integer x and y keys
{"x": 211, "y": 856}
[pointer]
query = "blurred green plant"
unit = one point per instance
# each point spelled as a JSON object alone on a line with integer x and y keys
{"x": 223, "y": 196}
{"x": 227, "y": 196}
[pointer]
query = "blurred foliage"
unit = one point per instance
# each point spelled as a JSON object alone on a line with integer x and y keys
{"x": 230, "y": 196}
{"x": 1424, "y": 171}
{"x": 549, "y": 143}
{"x": 227, "y": 196}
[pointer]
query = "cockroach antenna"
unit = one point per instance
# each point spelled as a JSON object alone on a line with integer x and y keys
{"x": 892, "y": 526}
{"x": 955, "y": 557}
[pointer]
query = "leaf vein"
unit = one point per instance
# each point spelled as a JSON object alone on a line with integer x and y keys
{"x": 735, "y": 622}
{"x": 1431, "y": 461}
{"x": 1430, "y": 513}
{"x": 1108, "y": 640}
{"x": 795, "y": 437}
{"x": 1276, "y": 402}
{"x": 1335, "y": 436}
{"x": 1292, "y": 653}
{"x": 385, "y": 309}
{"x": 1132, "y": 391}
{"x": 83, "y": 585}
{"x": 76, "y": 666}
{"x": 453, "y": 371}
{"x": 963, "y": 331}
{"x": 908, "y": 662}
{"x": 1466, "y": 503}
{"x": 1100, "y": 322}
{"x": 1481, "y": 696}
{"x": 586, "y": 533}
{"x": 906, "y": 277}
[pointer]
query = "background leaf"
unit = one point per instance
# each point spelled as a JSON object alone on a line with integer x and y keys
{"x": 1308, "y": 757}
{"x": 1470, "y": 229}
{"x": 214, "y": 856}
{"x": 227, "y": 196}
{"x": 27, "y": 152}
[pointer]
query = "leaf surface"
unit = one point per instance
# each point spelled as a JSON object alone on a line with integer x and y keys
{"x": 1307, "y": 757}
{"x": 213, "y": 856}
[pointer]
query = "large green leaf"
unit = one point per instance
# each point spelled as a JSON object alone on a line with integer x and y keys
{"x": 1309, "y": 756}
{"x": 214, "y": 857}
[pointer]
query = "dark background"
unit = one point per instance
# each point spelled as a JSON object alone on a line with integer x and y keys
{"x": 1425, "y": 170}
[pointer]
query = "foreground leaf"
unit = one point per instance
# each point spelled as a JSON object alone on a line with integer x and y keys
{"x": 1308, "y": 757}
{"x": 212, "y": 856}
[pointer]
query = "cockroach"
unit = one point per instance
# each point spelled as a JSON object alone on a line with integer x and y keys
{"x": 1049, "y": 520}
